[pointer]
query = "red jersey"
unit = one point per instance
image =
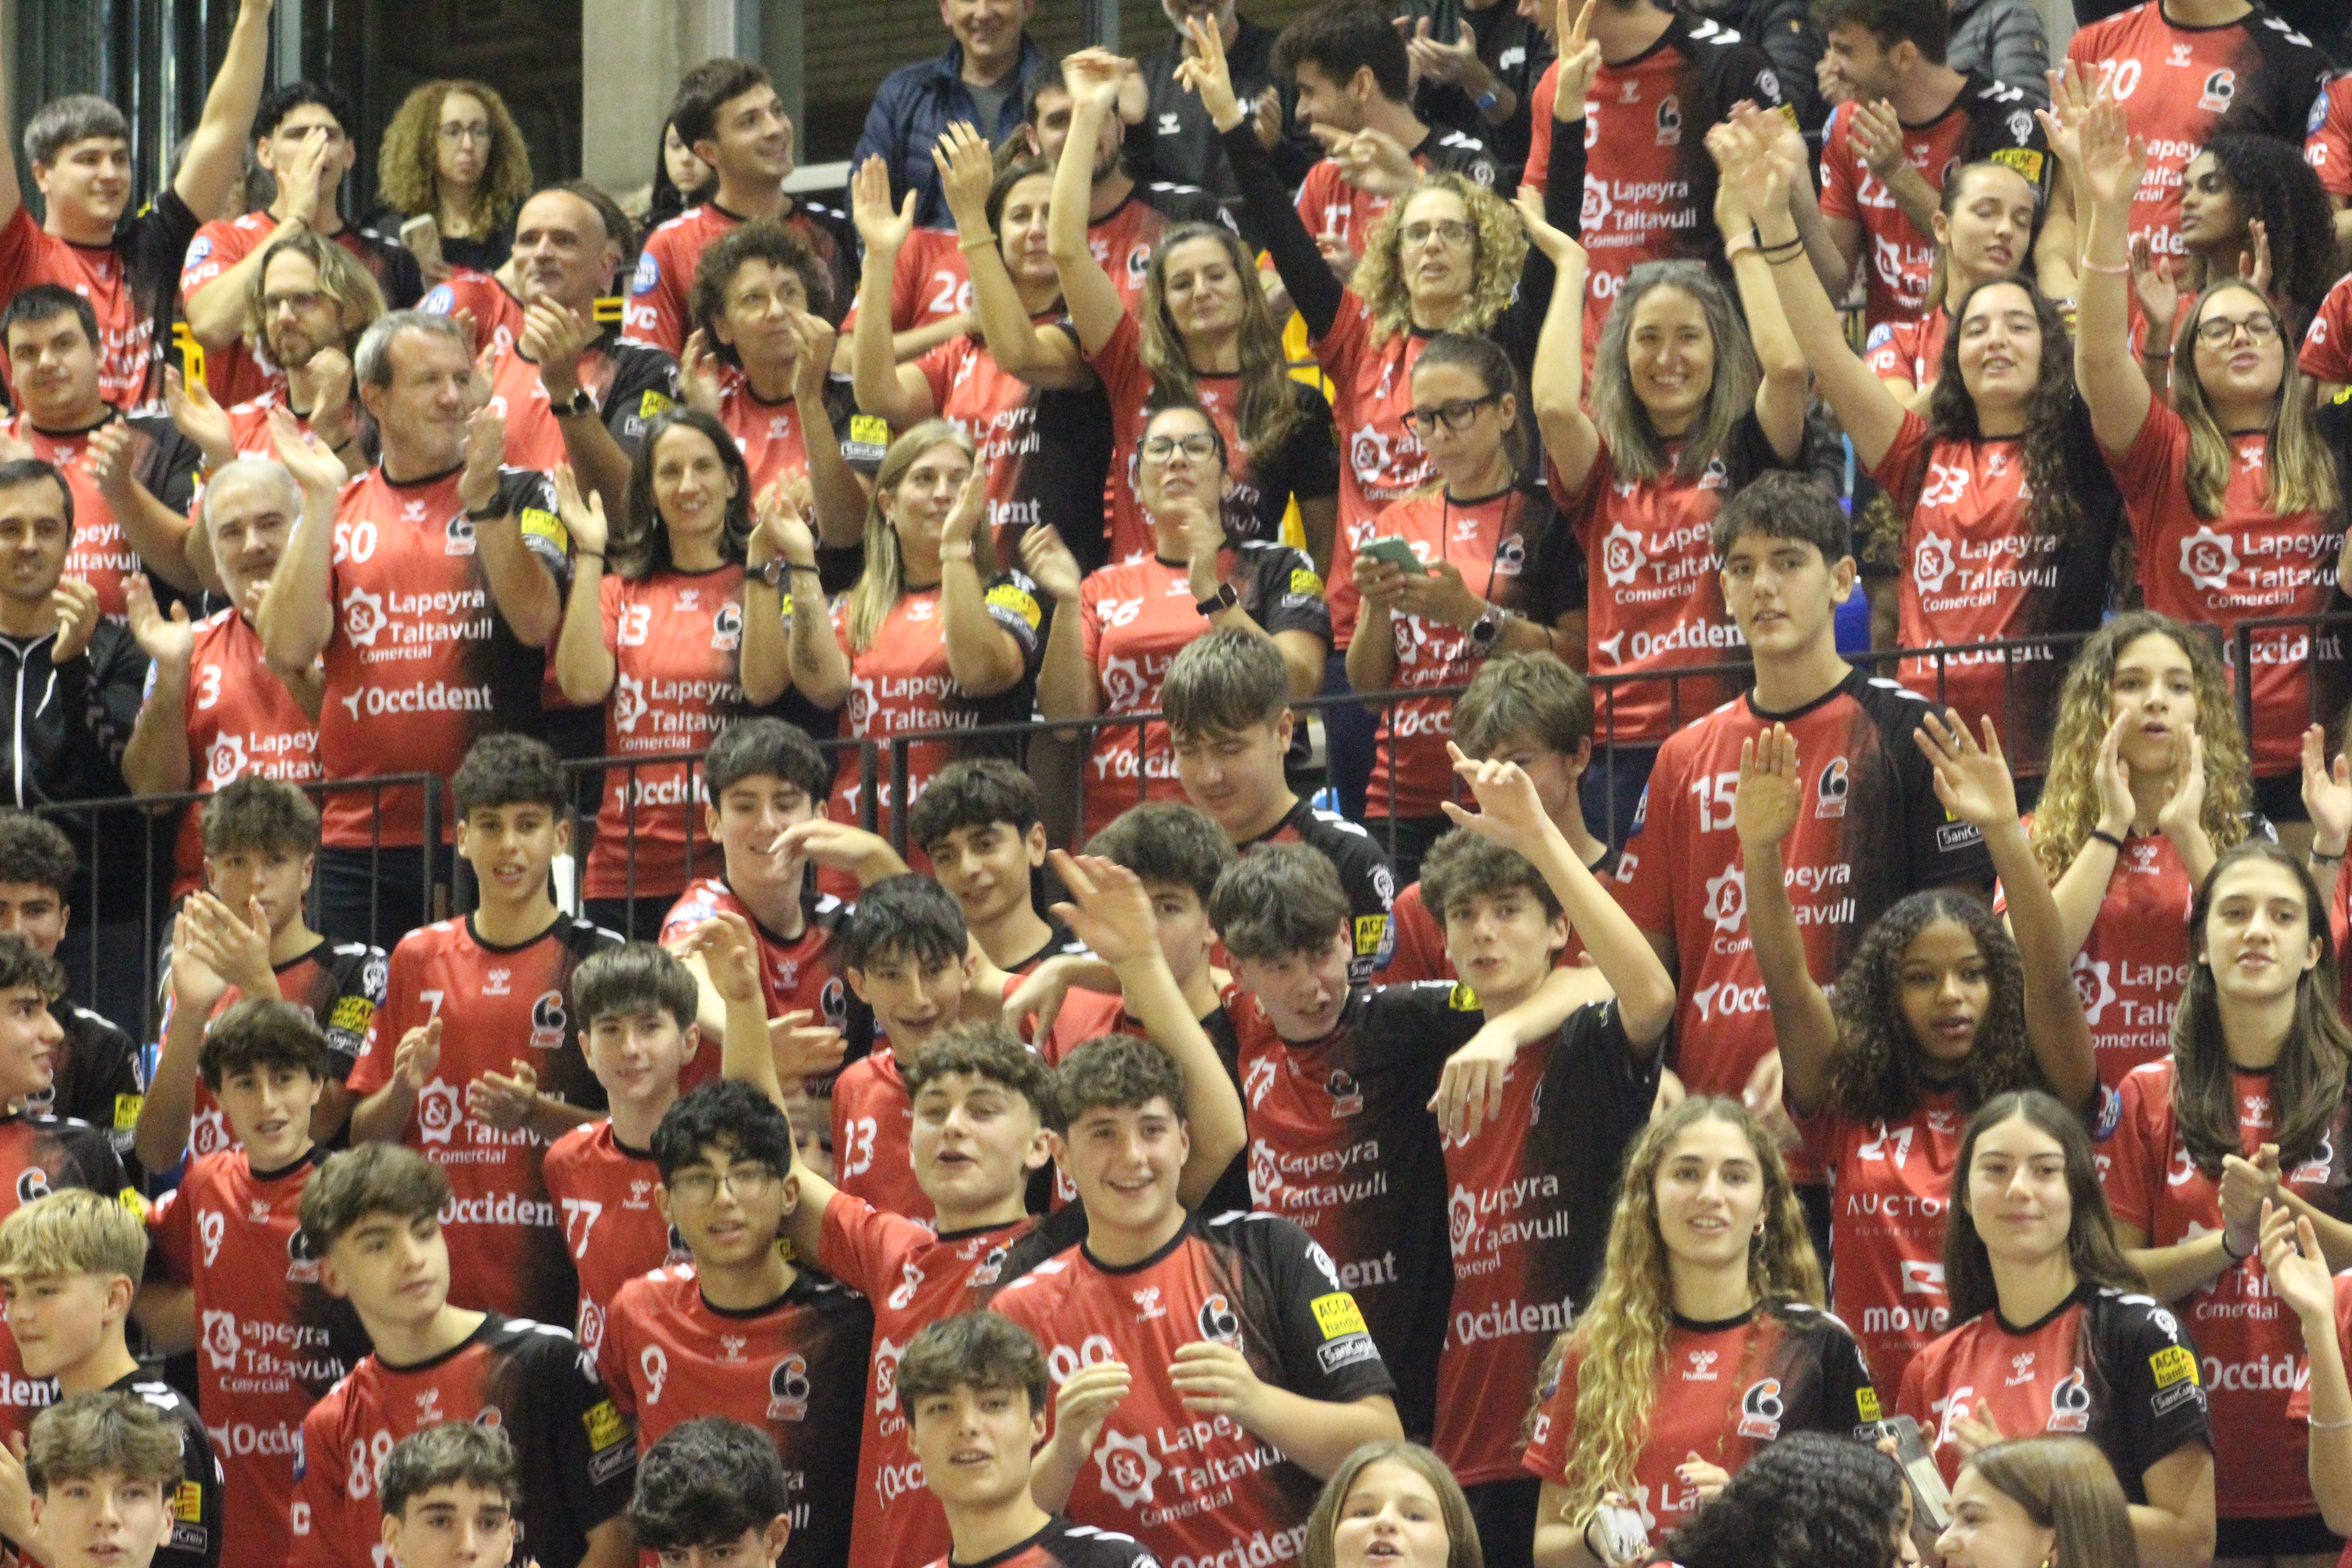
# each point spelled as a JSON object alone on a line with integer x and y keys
{"x": 2328, "y": 143}
{"x": 629, "y": 383}
{"x": 1871, "y": 832}
{"x": 2252, "y": 1347}
{"x": 240, "y": 719}
{"x": 794, "y": 1369}
{"x": 912, "y": 1276}
{"x": 160, "y": 458}
{"x": 2327, "y": 348}
{"x": 39, "y": 1154}
{"x": 657, "y": 309}
{"x": 2176, "y": 84}
{"x": 273, "y": 1342}
{"x": 1048, "y": 452}
{"x": 1133, "y": 620}
{"x": 421, "y": 663}
{"x": 1891, "y": 1183}
{"x": 2113, "y": 1368}
{"x": 796, "y": 973}
{"x": 239, "y": 374}
{"x": 1381, "y": 462}
{"x": 1418, "y": 949}
{"x": 604, "y": 1192}
{"x": 1527, "y": 1217}
{"x": 497, "y": 314}
{"x": 2248, "y": 564}
{"x": 131, "y": 283}
{"x": 872, "y": 1115}
{"x": 774, "y": 436}
{"x": 1198, "y": 1491}
{"x": 1333, "y": 209}
{"x": 1730, "y": 1388}
{"x": 1909, "y": 351}
{"x": 676, "y": 642}
{"x": 507, "y": 1247}
{"x": 1060, "y": 1545}
{"x": 577, "y": 1452}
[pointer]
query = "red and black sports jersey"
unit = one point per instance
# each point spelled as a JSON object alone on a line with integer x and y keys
{"x": 912, "y": 1276}
{"x": 38, "y": 1155}
{"x": 421, "y": 663}
{"x": 269, "y": 1339}
{"x": 1060, "y": 1545}
{"x": 2327, "y": 347}
{"x": 2253, "y": 1351}
{"x": 794, "y": 1369}
{"x": 1980, "y": 571}
{"x": 2327, "y": 144}
{"x": 507, "y": 1248}
{"x": 657, "y": 309}
{"x": 795, "y": 974}
{"x": 2113, "y": 1368}
{"x": 131, "y": 282}
{"x": 196, "y": 1502}
{"x": 1890, "y": 1188}
{"x": 1342, "y": 1141}
{"x": 1911, "y": 351}
{"x": 929, "y": 283}
{"x": 94, "y": 1076}
{"x": 1381, "y": 461}
{"x": 1335, "y": 210}
{"x": 239, "y": 374}
{"x": 1133, "y": 620}
{"x": 497, "y": 314}
{"x": 1198, "y": 1491}
{"x": 603, "y": 1192}
{"x": 1089, "y": 1016}
{"x": 160, "y": 458}
{"x": 1984, "y": 119}
{"x": 872, "y": 1114}
{"x": 2177, "y": 83}
{"x": 1527, "y": 1214}
{"x": 630, "y": 384}
{"x": 577, "y": 1452}
{"x": 775, "y": 436}
{"x": 1871, "y": 832}
{"x": 1728, "y": 1389}
{"x": 1047, "y": 451}
{"x": 1418, "y": 949}
{"x": 240, "y": 719}
{"x": 1364, "y": 874}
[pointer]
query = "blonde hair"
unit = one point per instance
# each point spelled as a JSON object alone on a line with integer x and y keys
{"x": 1499, "y": 250}
{"x": 408, "y": 173}
{"x": 1620, "y": 1342}
{"x": 884, "y": 581}
{"x": 73, "y": 1231}
{"x": 2300, "y": 473}
{"x": 2065, "y": 1486}
{"x": 359, "y": 302}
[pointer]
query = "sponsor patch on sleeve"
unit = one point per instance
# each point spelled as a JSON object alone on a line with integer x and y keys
{"x": 1371, "y": 931}
{"x": 2024, "y": 160}
{"x": 352, "y": 1014}
{"x": 1865, "y": 1403}
{"x": 648, "y": 275}
{"x": 1020, "y": 601}
{"x": 188, "y": 1501}
{"x": 2173, "y": 1363}
{"x": 1462, "y": 999}
{"x": 654, "y": 403}
{"x": 869, "y": 437}
{"x": 126, "y": 1111}
{"x": 545, "y": 524}
{"x": 1303, "y": 581}
{"x": 1346, "y": 1351}
{"x": 1337, "y": 1314}
{"x": 606, "y": 1426}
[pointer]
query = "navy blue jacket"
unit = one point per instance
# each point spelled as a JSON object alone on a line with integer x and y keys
{"x": 913, "y": 105}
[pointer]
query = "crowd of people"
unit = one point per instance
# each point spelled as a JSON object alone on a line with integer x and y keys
{"x": 1825, "y": 1047}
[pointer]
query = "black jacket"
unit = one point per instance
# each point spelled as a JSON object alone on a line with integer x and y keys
{"x": 67, "y": 725}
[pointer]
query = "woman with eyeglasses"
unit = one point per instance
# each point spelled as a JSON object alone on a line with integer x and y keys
{"x": 1116, "y": 631}
{"x": 2230, "y": 488}
{"x": 453, "y": 153}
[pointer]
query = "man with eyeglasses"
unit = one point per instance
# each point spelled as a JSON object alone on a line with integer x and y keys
{"x": 302, "y": 141}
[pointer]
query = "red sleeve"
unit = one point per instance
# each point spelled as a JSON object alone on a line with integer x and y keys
{"x": 862, "y": 1246}
{"x": 320, "y": 1521}
{"x": 2328, "y": 149}
{"x": 938, "y": 368}
{"x": 20, "y": 249}
{"x": 2328, "y": 349}
{"x": 1539, "y": 127}
{"x": 219, "y": 245}
{"x": 1839, "y": 197}
{"x": 1118, "y": 363}
{"x": 1555, "y": 1428}
{"x": 1418, "y": 952}
{"x": 613, "y": 1358}
{"x": 394, "y": 1018}
{"x": 172, "y": 1237}
{"x": 2149, "y": 473}
{"x": 1645, "y": 870}
{"x": 2340, "y": 926}
{"x": 1905, "y": 461}
{"x": 669, "y": 333}
{"x": 2140, "y": 1149}
{"x": 1090, "y": 628}
{"x": 1917, "y": 1400}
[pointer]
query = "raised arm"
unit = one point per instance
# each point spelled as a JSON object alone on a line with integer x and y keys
{"x": 2298, "y": 1275}
{"x": 298, "y": 610}
{"x": 216, "y": 311}
{"x": 156, "y": 761}
{"x": 156, "y": 532}
{"x": 837, "y": 501}
{"x": 1045, "y": 358}
{"x": 982, "y": 658}
{"x": 1771, "y": 792}
{"x": 883, "y": 386}
{"x": 779, "y": 533}
{"x": 584, "y": 666}
{"x": 1556, "y": 386}
{"x": 2112, "y": 161}
{"x": 1784, "y": 388}
{"x": 214, "y": 158}
{"x": 2082, "y": 888}
{"x": 1088, "y": 291}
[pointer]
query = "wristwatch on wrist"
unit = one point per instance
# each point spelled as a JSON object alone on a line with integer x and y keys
{"x": 1488, "y": 101}
{"x": 773, "y": 570}
{"x": 578, "y": 404}
{"x": 1486, "y": 631}
{"x": 1224, "y": 598}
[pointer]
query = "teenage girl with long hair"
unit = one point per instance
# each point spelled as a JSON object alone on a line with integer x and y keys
{"x": 1984, "y": 229}
{"x": 2038, "y": 1503}
{"x": 1391, "y": 1505}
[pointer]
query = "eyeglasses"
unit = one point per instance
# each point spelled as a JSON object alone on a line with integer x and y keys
{"x": 477, "y": 132}
{"x": 1452, "y": 230}
{"x": 301, "y": 302}
{"x": 1454, "y": 416}
{"x": 749, "y": 1183}
{"x": 1198, "y": 448}
{"x": 2220, "y": 331}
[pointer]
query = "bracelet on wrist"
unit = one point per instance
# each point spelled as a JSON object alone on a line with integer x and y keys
{"x": 2231, "y": 1253}
{"x": 2318, "y": 1425}
{"x": 2318, "y": 853}
{"x": 2111, "y": 841}
{"x": 2111, "y": 269}
{"x": 977, "y": 242}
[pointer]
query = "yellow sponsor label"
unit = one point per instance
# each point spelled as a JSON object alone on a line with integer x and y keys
{"x": 1369, "y": 931}
{"x": 609, "y": 310}
{"x": 1014, "y": 597}
{"x": 2024, "y": 160}
{"x": 130, "y": 1198}
{"x": 1304, "y": 582}
{"x": 126, "y": 1110}
{"x": 2173, "y": 1363}
{"x": 1462, "y": 999}
{"x": 188, "y": 1502}
{"x": 654, "y": 403}
{"x": 1337, "y": 1314}
{"x": 547, "y": 526}
{"x": 350, "y": 1012}
{"x": 1865, "y": 1403}
{"x": 606, "y": 1426}
{"x": 870, "y": 433}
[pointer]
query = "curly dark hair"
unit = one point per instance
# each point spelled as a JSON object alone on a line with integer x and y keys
{"x": 2272, "y": 184}
{"x": 1877, "y": 1075}
{"x": 1819, "y": 1502}
{"x": 2056, "y": 511}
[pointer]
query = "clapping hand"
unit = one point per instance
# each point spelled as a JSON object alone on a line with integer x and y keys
{"x": 881, "y": 229}
{"x": 169, "y": 641}
{"x": 505, "y": 1100}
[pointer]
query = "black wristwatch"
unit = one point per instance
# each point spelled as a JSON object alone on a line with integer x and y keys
{"x": 1224, "y": 598}
{"x": 578, "y": 404}
{"x": 1486, "y": 631}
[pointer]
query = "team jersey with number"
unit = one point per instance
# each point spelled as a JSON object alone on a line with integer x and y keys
{"x": 676, "y": 642}
{"x": 38, "y": 1155}
{"x": 603, "y": 1193}
{"x": 1528, "y": 1203}
{"x": 1986, "y": 119}
{"x": 95, "y": 1076}
{"x": 629, "y": 383}
{"x": 240, "y": 719}
{"x": 1890, "y": 1188}
{"x": 498, "y": 1004}
{"x": 1654, "y": 596}
{"x": 1134, "y": 619}
{"x": 421, "y": 662}
{"x": 1982, "y": 571}
{"x": 1364, "y": 876}
{"x": 1908, "y": 350}
{"x": 1060, "y": 1545}
{"x": 796, "y": 973}
{"x": 131, "y": 283}
{"x": 657, "y": 309}
{"x": 1870, "y": 830}
{"x": 1730, "y": 1388}
{"x": 160, "y": 458}
{"x": 794, "y": 1369}
{"x": 1048, "y": 452}
{"x": 239, "y": 374}
{"x": 872, "y": 1115}
{"x": 1418, "y": 949}
{"x": 1334, "y": 210}
{"x": 1342, "y": 1141}
{"x": 2327, "y": 348}
{"x": 2252, "y": 1347}
{"x": 577, "y": 1452}
{"x": 2328, "y": 143}
{"x": 2176, "y": 83}
{"x": 195, "y": 1509}
{"x": 2248, "y": 564}
{"x": 2113, "y": 1368}
{"x": 928, "y": 283}
{"x": 912, "y": 1276}
{"x": 269, "y": 1340}
{"x": 1193, "y": 1491}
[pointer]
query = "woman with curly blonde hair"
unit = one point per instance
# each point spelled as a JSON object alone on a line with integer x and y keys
{"x": 453, "y": 153}
{"x": 1704, "y": 1340}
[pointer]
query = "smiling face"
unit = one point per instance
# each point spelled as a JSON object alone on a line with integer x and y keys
{"x": 2241, "y": 354}
{"x": 105, "y": 1521}
{"x": 1990, "y": 1529}
{"x": 395, "y": 1271}
{"x": 2017, "y": 1193}
{"x": 913, "y": 998}
{"x": 987, "y": 867}
{"x": 1235, "y": 775}
{"x": 1502, "y": 944}
{"x": 748, "y": 823}
{"x": 757, "y": 320}
{"x": 1783, "y": 596}
{"x": 1670, "y": 357}
{"x": 29, "y": 1036}
{"x": 33, "y": 539}
{"x": 1302, "y": 993}
{"x": 974, "y": 1142}
{"x": 269, "y": 1107}
{"x": 753, "y": 144}
{"x": 1202, "y": 289}
{"x": 1021, "y": 232}
{"x": 692, "y": 486}
{"x": 297, "y": 317}
{"x": 1181, "y": 472}
{"x": 1124, "y": 1161}
{"x": 1391, "y": 1518}
{"x": 988, "y": 30}
{"x": 562, "y": 253}
{"x": 1945, "y": 985}
{"x": 1991, "y": 220}
{"x": 637, "y": 1055}
{"x": 1325, "y": 100}
{"x": 53, "y": 365}
{"x": 2000, "y": 345}
{"x": 250, "y": 521}
{"x": 1709, "y": 1191}
{"x": 61, "y": 1320}
{"x": 510, "y": 849}
{"x": 918, "y": 506}
{"x": 2154, "y": 690}
{"x": 1864, "y": 62}
{"x": 89, "y": 185}
{"x": 1437, "y": 249}
{"x": 421, "y": 414}
{"x": 2258, "y": 938}
{"x": 975, "y": 1443}
{"x": 728, "y": 1210}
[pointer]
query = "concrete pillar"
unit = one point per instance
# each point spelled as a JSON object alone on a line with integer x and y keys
{"x": 632, "y": 54}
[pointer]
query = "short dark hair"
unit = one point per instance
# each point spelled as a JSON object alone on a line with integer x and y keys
{"x": 509, "y": 770}
{"x": 761, "y": 240}
{"x": 1893, "y": 22}
{"x": 978, "y": 1348}
{"x": 18, "y": 471}
{"x": 727, "y": 1113}
{"x": 707, "y": 88}
{"x": 449, "y": 1454}
{"x": 707, "y": 1483}
{"x": 22, "y": 963}
{"x": 988, "y": 1051}
{"x": 279, "y": 103}
{"x": 76, "y": 117}
{"x": 33, "y": 849}
{"x": 1462, "y": 864}
{"x": 1010, "y": 175}
{"x": 371, "y": 1179}
{"x": 105, "y": 1433}
{"x": 1277, "y": 901}
{"x": 1534, "y": 694}
{"x": 1168, "y": 842}
{"x": 1222, "y": 684}
{"x": 1342, "y": 37}
{"x": 253, "y": 812}
{"x": 974, "y": 793}
{"x": 910, "y": 916}
{"x": 753, "y": 746}
{"x": 1119, "y": 1072}
{"x": 46, "y": 302}
{"x": 262, "y": 1032}
{"x": 1782, "y": 503}
{"x": 634, "y": 977}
